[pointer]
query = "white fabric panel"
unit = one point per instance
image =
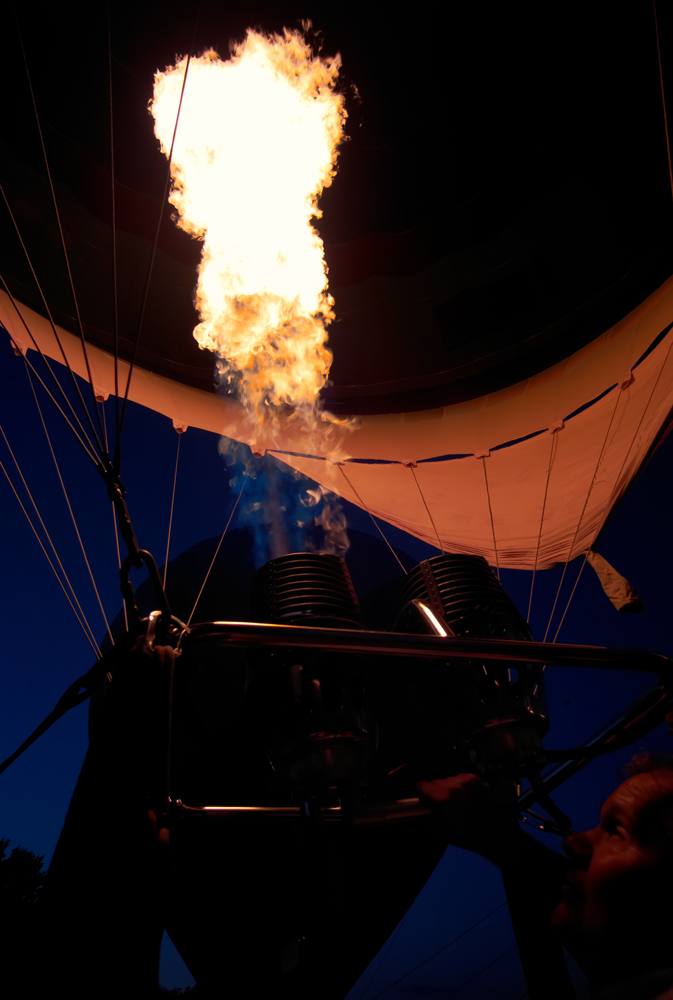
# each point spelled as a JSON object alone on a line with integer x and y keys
{"x": 580, "y": 495}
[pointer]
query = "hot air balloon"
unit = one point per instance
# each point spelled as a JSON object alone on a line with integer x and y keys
{"x": 498, "y": 251}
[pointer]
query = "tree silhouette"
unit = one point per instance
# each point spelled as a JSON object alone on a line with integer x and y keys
{"x": 21, "y": 878}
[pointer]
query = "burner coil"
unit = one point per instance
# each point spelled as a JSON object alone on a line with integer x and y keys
{"x": 466, "y": 593}
{"x": 307, "y": 588}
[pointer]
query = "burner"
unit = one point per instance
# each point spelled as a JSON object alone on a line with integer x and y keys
{"x": 493, "y": 713}
{"x": 310, "y": 705}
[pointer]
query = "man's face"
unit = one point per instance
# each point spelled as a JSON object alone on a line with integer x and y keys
{"x": 618, "y": 873}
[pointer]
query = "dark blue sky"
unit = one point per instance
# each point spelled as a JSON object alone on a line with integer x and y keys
{"x": 44, "y": 650}
{"x": 551, "y": 122}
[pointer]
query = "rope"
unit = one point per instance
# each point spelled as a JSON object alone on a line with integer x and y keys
{"x": 579, "y": 523}
{"x": 119, "y": 561}
{"x": 170, "y": 519}
{"x": 63, "y": 246}
{"x": 663, "y": 96}
{"x": 490, "y": 514}
{"x": 391, "y": 942}
{"x": 68, "y": 700}
{"x": 602, "y": 522}
{"x": 374, "y": 522}
{"x": 156, "y": 236}
{"x": 482, "y": 970}
{"x": 617, "y": 480}
{"x": 425, "y": 504}
{"x": 86, "y": 443}
{"x": 212, "y": 563}
{"x": 443, "y": 948}
{"x": 82, "y": 620}
{"x": 552, "y": 456}
{"x": 72, "y": 696}
{"x": 70, "y": 510}
{"x": 115, "y": 304}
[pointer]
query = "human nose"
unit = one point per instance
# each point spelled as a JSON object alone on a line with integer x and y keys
{"x": 579, "y": 848}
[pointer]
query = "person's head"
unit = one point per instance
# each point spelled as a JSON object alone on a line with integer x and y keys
{"x": 615, "y": 916}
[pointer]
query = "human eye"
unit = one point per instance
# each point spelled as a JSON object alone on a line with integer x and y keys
{"x": 612, "y": 827}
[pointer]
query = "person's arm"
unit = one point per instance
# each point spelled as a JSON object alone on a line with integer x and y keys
{"x": 469, "y": 816}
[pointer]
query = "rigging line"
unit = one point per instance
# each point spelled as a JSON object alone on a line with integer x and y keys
{"x": 552, "y": 456}
{"x": 483, "y": 969}
{"x": 37, "y": 346}
{"x": 391, "y": 942}
{"x": 586, "y": 502}
{"x": 432, "y": 522}
{"x": 89, "y": 635}
{"x": 56, "y": 404}
{"x": 156, "y": 239}
{"x": 572, "y": 592}
{"x": 212, "y": 562}
{"x": 170, "y": 519}
{"x": 440, "y": 950}
{"x": 114, "y": 518}
{"x": 490, "y": 514}
{"x": 119, "y": 561}
{"x": 115, "y": 304}
{"x": 63, "y": 245}
{"x": 663, "y": 97}
{"x": 374, "y": 521}
{"x": 102, "y": 410}
{"x": 617, "y": 480}
{"x": 70, "y": 510}
{"x": 44, "y": 528}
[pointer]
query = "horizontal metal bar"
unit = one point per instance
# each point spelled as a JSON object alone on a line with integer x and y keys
{"x": 367, "y": 815}
{"x": 253, "y": 634}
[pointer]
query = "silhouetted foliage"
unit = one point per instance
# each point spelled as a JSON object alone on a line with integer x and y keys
{"x": 21, "y": 879}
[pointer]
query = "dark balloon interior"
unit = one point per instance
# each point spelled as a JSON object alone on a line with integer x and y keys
{"x": 502, "y": 198}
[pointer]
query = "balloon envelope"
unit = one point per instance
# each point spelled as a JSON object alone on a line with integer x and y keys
{"x": 499, "y": 273}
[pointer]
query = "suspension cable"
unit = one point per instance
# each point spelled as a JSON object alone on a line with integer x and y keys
{"x": 440, "y": 950}
{"x": 89, "y": 454}
{"x": 115, "y": 303}
{"x": 384, "y": 955}
{"x": 412, "y": 467}
{"x": 490, "y": 514}
{"x": 156, "y": 242}
{"x": 170, "y": 519}
{"x": 616, "y": 484}
{"x": 552, "y": 456}
{"x": 70, "y": 510}
{"x": 114, "y": 521}
{"x": 663, "y": 96}
{"x": 374, "y": 521}
{"x": 586, "y": 502}
{"x": 63, "y": 246}
{"x": 219, "y": 544}
{"x": 84, "y": 625}
{"x": 119, "y": 561}
{"x": 44, "y": 528}
{"x": 602, "y": 522}
{"x": 483, "y": 969}
{"x": 84, "y": 440}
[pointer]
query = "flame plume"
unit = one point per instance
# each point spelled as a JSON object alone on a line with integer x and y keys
{"x": 256, "y": 143}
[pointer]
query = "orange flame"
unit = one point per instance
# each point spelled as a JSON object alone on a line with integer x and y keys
{"x": 255, "y": 145}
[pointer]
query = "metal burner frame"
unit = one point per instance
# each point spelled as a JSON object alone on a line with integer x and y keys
{"x": 634, "y": 722}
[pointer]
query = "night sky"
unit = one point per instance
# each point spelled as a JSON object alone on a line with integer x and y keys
{"x": 44, "y": 649}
